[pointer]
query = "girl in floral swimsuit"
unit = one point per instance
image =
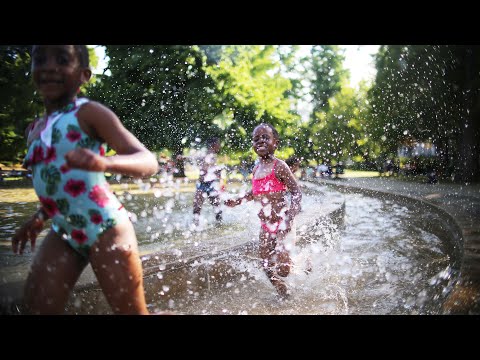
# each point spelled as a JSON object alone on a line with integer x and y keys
{"x": 79, "y": 202}
{"x": 89, "y": 224}
{"x": 272, "y": 178}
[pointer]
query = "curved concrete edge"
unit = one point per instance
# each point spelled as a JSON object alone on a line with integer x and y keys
{"x": 464, "y": 298}
{"x": 151, "y": 266}
{"x": 88, "y": 297}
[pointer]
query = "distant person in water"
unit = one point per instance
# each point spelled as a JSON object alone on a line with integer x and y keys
{"x": 272, "y": 179}
{"x": 293, "y": 163}
{"x": 208, "y": 184}
{"x": 66, "y": 153}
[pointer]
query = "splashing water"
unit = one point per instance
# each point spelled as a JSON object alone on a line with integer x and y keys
{"x": 379, "y": 260}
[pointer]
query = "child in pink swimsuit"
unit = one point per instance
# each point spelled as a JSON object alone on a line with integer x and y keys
{"x": 272, "y": 178}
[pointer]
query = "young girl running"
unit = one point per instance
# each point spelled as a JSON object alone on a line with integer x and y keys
{"x": 272, "y": 178}
{"x": 66, "y": 153}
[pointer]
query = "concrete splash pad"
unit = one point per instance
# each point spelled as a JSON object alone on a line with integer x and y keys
{"x": 192, "y": 275}
{"x": 216, "y": 270}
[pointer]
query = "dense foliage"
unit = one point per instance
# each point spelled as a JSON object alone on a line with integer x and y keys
{"x": 174, "y": 97}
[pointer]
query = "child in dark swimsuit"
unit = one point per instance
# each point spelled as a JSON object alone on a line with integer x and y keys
{"x": 208, "y": 184}
{"x": 272, "y": 178}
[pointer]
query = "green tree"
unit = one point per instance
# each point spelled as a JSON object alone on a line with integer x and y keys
{"x": 326, "y": 65}
{"x": 160, "y": 92}
{"x": 430, "y": 93}
{"x": 18, "y": 102}
{"x": 251, "y": 89}
{"x": 340, "y": 133}
{"x": 323, "y": 68}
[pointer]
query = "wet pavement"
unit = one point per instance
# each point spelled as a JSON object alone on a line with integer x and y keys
{"x": 168, "y": 262}
{"x": 461, "y": 202}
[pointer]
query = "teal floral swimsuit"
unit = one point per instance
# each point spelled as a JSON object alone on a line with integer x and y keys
{"x": 79, "y": 202}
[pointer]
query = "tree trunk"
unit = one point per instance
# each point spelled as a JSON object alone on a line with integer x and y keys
{"x": 469, "y": 144}
{"x": 179, "y": 165}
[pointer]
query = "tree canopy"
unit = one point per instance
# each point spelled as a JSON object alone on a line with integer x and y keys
{"x": 176, "y": 96}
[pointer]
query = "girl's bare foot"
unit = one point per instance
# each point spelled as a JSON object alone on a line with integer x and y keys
{"x": 309, "y": 268}
{"x": 281, "y": 288}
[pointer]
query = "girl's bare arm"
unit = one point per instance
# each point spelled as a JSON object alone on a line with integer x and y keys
{"x": 234, "y": 202}
{"x": 132, "y": 157}
{"x": 284, "y": 174}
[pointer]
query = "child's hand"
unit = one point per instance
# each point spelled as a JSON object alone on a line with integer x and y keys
{"x": 288, "y": 224}
{"x": 230, "y": 202}
{"x": 28, "y": 231}
{"x": 85, "y": 159}
{"x": 288, "y": 221}
{"x": 285, "y": 226}
{"x": 272, "y": 216}
{"x": 262, "y": 217}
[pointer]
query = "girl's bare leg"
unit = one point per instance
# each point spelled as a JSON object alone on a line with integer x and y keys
{"x": 55, "y": 270}
{"x": 116, "y": 262}
{"x": 283, "y": 261}
{"x": 197, "y": 206}
{"x": 282, "y": 256}
{"x": 215, "y": 201}
{"x": 269, "y": 257}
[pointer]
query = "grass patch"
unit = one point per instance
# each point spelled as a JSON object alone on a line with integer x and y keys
{"x": 359, "y": 174}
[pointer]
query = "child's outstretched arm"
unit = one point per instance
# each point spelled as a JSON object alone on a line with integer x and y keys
{"x": 29, "y": 231}
{"x": 132, "y": 157}
{"x": 234, "y": 202}
{"x": 285, "y": 175}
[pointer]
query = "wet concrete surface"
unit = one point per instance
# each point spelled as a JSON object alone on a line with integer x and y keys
{"x": 461, "y": 202}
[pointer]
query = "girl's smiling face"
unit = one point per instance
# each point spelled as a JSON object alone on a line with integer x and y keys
{"x": 57, "y": 72}
{"x": 263, "y": 141}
